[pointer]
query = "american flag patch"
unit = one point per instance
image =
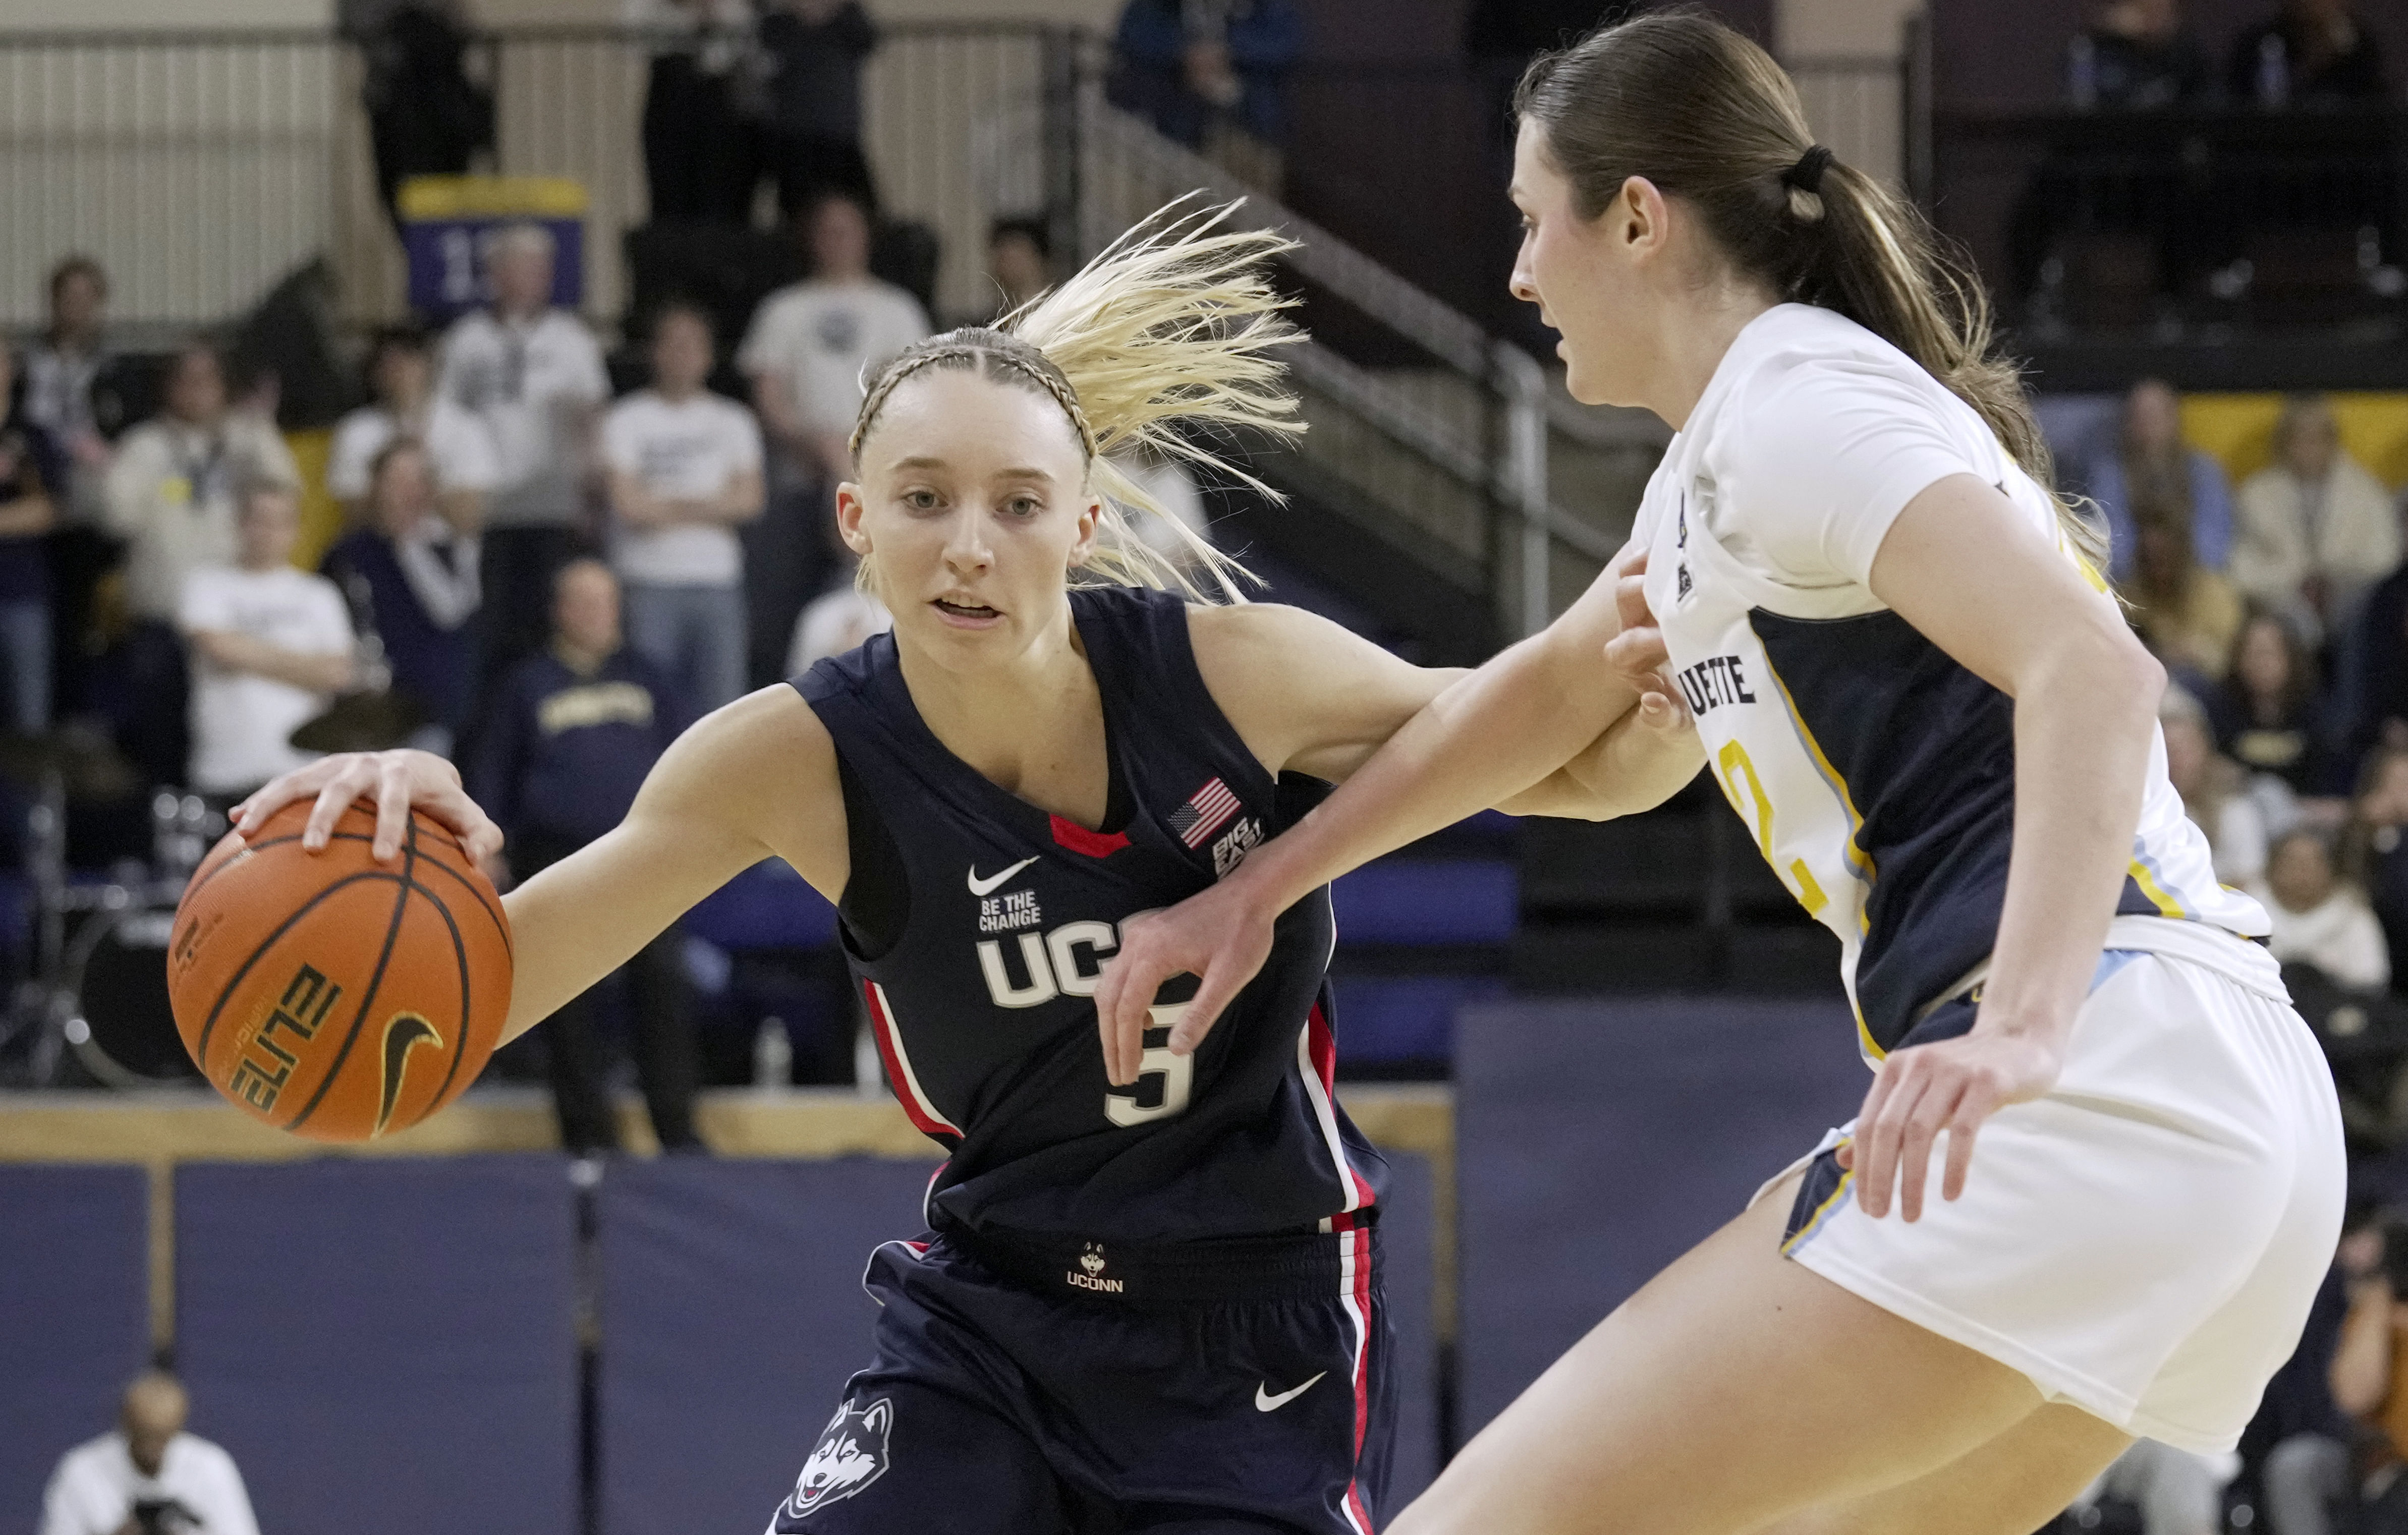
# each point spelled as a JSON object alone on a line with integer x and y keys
{"x": 1203, "y": 814}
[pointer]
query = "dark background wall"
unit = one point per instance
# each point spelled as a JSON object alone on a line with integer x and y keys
{"x": 2012, "y": 55}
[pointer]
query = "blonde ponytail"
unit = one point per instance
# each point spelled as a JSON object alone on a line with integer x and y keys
{"x": 1171, "y": 331}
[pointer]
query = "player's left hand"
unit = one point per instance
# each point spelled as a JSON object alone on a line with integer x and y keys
{"x": 1951, "y": 1085}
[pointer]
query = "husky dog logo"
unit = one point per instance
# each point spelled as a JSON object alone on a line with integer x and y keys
{"x": 850, "y": 1455}
{"x": 1089, "y": 1275}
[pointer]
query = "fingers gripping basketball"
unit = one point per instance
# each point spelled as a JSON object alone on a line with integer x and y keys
{"x": 331, "y": 994}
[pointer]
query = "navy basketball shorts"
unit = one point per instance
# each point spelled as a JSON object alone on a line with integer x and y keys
{"x": 1073, "y": 1388}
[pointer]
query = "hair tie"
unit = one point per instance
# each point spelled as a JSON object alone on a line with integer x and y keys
{"x": 1807, "y": 175}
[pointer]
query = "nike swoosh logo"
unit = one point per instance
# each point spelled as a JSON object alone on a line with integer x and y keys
{"x": 986, "y": 887}
{"x": 405, "y": 1031}
{"x": 1265, "y": 1402}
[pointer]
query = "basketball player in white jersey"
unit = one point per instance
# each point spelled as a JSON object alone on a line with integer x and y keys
{"x": 1911, "y": 684}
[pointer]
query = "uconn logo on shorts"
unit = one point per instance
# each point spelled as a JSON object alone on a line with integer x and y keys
{"x": 850, "y": 1455}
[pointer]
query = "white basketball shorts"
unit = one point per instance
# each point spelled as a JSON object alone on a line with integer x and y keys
{"x": 2144, "y": 1241}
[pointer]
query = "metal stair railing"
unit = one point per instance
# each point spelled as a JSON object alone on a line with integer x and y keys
{"x": 1453, "y": 483}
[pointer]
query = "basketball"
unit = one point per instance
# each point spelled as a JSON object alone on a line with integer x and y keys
{"x": 332, "y": 996}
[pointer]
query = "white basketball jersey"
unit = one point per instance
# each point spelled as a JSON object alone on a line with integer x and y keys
{"x": 1876, "y": 774}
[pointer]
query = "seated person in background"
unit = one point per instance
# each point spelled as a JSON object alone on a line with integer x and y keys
{"x": 401, "y": 383}
{"x": 410, "y": 580}
{"x": 2265, "y": 714}
{"x": 33, "y": 479}
{"x": 2150, "y": 459}
{"x": 2319, "y": 920}
{"x": 2375, "y": 850}
{"x": 2311, "y": 50}
{"x": 2179, "y": 1492}
{"x": 2308, "y": 1473}
{"x": 1018, "y": 260}
{"x": 171, "y": 486}
{"x": 571, "y": 734}
{"x": 2313, "y": 530}
{"x": 2136, "y": 57}
{"x": 2187, "y": 616}
{"x": 1213, "y": 77}
{"x": 2213, "y": 789}
{"x": 685, "y": 471}
{"x": 148, "y": 1476}
{"x": 271, "y": 645}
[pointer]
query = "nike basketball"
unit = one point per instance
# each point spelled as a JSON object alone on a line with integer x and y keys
{"x": 331, "y": 994}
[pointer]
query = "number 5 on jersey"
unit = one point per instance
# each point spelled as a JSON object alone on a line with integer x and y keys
{"x": 1068, "y": 962}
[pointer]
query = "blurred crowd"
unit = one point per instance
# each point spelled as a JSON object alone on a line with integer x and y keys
{"x": 2280, "y": 608}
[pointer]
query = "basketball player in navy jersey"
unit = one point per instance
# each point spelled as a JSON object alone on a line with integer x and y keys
{"x": 1150, "y": 1307}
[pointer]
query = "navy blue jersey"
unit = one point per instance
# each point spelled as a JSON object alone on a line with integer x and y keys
{"x": 977, "y": 926}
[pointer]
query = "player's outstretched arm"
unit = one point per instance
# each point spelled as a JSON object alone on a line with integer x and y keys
{"x": 1485, "y": 739}
{"x": 750, "y": 781}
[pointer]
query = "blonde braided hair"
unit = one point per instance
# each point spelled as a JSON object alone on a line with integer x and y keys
{"x": 1171, "y": 329}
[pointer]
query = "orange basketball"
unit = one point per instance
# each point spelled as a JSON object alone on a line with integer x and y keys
{"x": 332, "y": 996}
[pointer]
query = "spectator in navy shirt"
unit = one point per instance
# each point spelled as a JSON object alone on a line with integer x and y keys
{"x": 29, "y": 468}
{"x": 571, "y": 734}
{"x": 412, "y": 580}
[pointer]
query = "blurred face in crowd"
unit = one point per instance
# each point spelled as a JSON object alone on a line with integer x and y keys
{"x": 2262, "y": 659}
{"x": 2360, "y": 1251}
{"x": 681, "y": 353}
{"x": 403, "y": 492}
{"x": 2386, "y": 800}
{"x": 1017, "y": 267}
{"x": 154, "y": 1413}
{"x": 271, "y": 521}
{"x": 839, "y": 240}
{"x": 196, "y": 387}
{"x": 972, "y": 508}
{"x": 2162, "y": 554}
{"x": 402, "y": 372}
{"x": 2300, "y": 873}
{"x": 585, "y": 608}
{"x": 2311, "y": 442}
{"x": 2153, "y": 418}
{"x": 76, "y": 300}
{"x": 2188, "y": 750}
{"x": 520, "y": 270}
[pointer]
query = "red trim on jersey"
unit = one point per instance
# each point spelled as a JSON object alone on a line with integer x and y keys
{"x": 1322, "y": 1045}
{"x": 1358, "y": 1240}
{"x": 1095, "y": 844}
{"x": 924, "y": 1116}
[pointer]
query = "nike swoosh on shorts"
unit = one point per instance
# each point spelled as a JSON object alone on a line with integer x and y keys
{"x": 1265, "y": 1402}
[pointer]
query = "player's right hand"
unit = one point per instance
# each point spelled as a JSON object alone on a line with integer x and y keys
{"x": 396, "y": 780}
{"x": 1221, "y": 936}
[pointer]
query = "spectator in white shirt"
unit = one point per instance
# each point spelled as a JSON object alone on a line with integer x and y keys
{"x": 171, "y": 487}
{"x": 2314, "y": 529}
{"x": 401, "y": 375}
{"x": 2319, "y": 919}
{"x": 685, "y": 471}
{"x": 840, "y": 619}
{"x": 61, "y": 370}
{"x": 533, "y": 375}
{"x": 806, "y": 353}
{"x": 271, "y": 646}
{"x": 148, "y": 1476}
{"x": 171, "y": 498}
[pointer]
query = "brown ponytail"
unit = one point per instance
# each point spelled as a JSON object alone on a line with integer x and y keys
{"x": 1707, "y": 116}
